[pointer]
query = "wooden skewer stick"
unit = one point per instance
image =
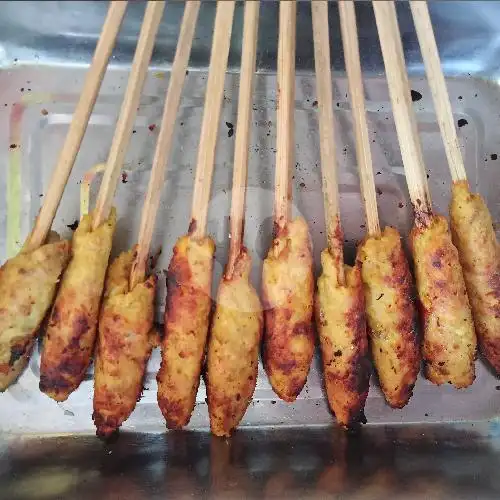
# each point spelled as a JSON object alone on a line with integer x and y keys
{"x": 162, "y": 152}
{"x": 356, "y": 90}
{"x": 404, "y": 117}
{"x": 211, "y": 117}
{"x": 78, "y": 126}
{"x": 142, "y": 56}
{"x": 286, "y": 104}
{"x": 441, "y": 99}
{"x": 329, "y": 166}
{"x": 240, "y": 169}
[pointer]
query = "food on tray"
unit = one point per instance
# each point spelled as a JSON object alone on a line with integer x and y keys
{"x": 69, "y": 341}
{"x": 394, "y": 342}
{"x": 28, "y": 283}
{"x": 473, "y": 234}
{"x": 341, "y": 323}
{"x": 288, "y": 290}
{"x": 449, "y": 346}
{"x": 233, "y": 352}
{"x": 187, "y": 316}
{"x": 124, "y": 345}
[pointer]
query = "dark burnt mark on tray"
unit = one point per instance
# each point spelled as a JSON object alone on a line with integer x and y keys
{"x": 415, "y": 95}
{"x": 462, "y": 122}
{"x": 74, "y": 225}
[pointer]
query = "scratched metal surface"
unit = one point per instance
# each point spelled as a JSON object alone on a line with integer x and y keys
{"x": 42, "y": 71}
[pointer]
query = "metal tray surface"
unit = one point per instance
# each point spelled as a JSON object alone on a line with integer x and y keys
{"x": 42, "y": 75}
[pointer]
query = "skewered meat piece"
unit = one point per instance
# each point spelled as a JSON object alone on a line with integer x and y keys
{"x": 341, "y": 321}
{"x": 123, "y": 345}
{"x": 187, "y": 316}
{"x": 27, "y": 287}
{"x": 71, "y": 332}
{"x": 390, "y": 313}
{"x": 233, "y": 351}
{"x": 473, "y": 234}
{"x": 449, "y": 347}
{"x": 288, "y": 296}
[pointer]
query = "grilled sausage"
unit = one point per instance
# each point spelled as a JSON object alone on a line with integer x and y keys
{"x": 71, "y": 332}
{"x": 233, "y": 348}
{"x": 449, "y": 346}
{"x": 187, "y": 314}
{"x": 27, "y": 287}
{"x": 341, "y": 322}
{"x": 123, "y": 345}
{"x": 478, "y": 250}
{"x": 288, "y": 297}
{"x": 390, "y": 315}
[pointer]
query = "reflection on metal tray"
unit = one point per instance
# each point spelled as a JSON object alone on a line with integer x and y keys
{"x": 42, "y": 74}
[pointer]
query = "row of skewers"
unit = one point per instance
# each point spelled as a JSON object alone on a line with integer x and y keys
{"x": 359, "y": 310}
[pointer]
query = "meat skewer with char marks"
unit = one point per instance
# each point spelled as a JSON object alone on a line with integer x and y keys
{"x": 71, "y": 332}
{"x": 187, "y": 311}
{"x": 125, "y": 338}
{"x": 28, "y": 281}
{"x": 449, "y": 343}
{"x": 385, "y": 271}
{"x": 339, "y": 304}
{"x": 470, "y": 220}
{"x": 233, "y": 348}
{"x": 287, "y": 275}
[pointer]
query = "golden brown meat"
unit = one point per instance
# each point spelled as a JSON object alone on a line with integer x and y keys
{"x": 71, "y": 332}
{"x": 449, "y": 347}
{"x": 288, "y": 297}
{"x": 341, "y": 322}
{"x": 187, "y": 315}
{"x": 233, "y": 349}
{"x": 124, "y": 345}
{"x": 27, "y": 286}
{"x": 390, "y": 315}
{"x": 478, "y": 250}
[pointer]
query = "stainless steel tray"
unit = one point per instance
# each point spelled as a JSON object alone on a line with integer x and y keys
{"x": 44, "y": 51}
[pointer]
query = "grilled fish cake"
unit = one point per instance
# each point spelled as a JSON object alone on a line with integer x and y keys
{"x": 27, "y": 286}
{"x": 123, "y": 345}
{"x": 341, "y": 322}
{"x": 478, "y": 250}
{"x": 390, "y": 315}
{"x": 288, "y": 297}
{"x": 449, "y": 347}
{"x": 233, "y": 349}
{"x": 187, "y": 315}
{"x": 71, "y": 332}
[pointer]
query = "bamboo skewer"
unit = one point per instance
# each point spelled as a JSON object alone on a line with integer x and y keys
{"x": 163, "y": 146}
{"x": 449, "y": 345}
{"x": 385, "y": 272}
{"x": 240, "y": 169}
{"x": 328, "y": 150}
{"x": 470, "y": 219}
{"x": 356, "y": 91}
{"x": 232, "y": 360}
{"x": 438, "y": 88}
{"x": 286, "y": 102}
{"x": 211, "y": 117}
{"x": 406, "y": 125}
{"x": 78, "y": 126}
{"x": 121, "y": 138}
{"x": 187, "y": 310}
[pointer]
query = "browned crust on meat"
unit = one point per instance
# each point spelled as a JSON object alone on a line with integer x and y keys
{"x": 123, "y": 345}
{"x": 187, "y": 315}
{"x": 390, "y": 315}
{"x": 28, "y": 283}
{"x": 341, "y": 322}
{"x": 288, "y": 296}
{"x": 473, "y": 235}
{"x": 233, "y": 349}
{"x": 71, "y": 331}
{"x": 449, "y": 346}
